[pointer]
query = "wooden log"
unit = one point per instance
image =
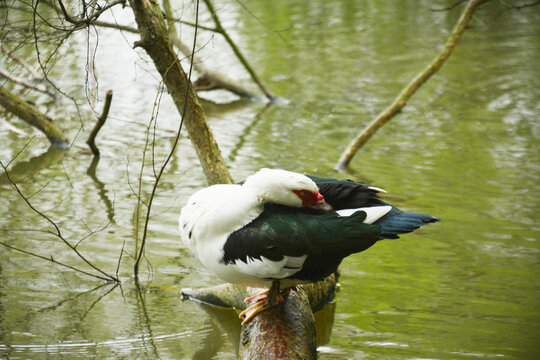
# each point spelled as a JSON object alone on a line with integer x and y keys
{"x": 32, "y": 116}
{"x": 286, "y": 331}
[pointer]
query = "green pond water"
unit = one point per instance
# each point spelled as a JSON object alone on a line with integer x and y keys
{"x": 465, "y": 149}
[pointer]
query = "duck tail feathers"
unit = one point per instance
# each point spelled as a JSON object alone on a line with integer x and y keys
{"x": 394, "y": 224}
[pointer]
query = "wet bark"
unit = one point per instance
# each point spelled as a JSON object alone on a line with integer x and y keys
{"x": 286, "y": 331}
{"x": 155, "y": 40}
{"x": 34, "y": 117}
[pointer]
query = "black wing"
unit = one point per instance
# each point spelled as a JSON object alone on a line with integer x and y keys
{"x": 347, "y": 194}
{"x": 283, "y": 231}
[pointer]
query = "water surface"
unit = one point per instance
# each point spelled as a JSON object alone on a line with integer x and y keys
{"x": 465, "y": 149}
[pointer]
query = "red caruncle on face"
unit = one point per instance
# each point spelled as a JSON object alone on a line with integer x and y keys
{"x": 309, "y": 198}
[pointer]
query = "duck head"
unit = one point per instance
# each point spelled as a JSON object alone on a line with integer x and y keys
{"x": 286, "y": 188}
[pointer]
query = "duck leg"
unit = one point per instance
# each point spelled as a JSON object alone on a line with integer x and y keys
{"x": 264, "y": 299}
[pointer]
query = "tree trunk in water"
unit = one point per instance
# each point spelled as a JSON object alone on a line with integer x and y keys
{"x": 155, "y": 40}
{"x": 286, "y": 331}
{"x": 34, "y": 117}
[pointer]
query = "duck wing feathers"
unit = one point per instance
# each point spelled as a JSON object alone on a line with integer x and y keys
{"x": 312, "y": 244}
{"x": 346, "y": 194}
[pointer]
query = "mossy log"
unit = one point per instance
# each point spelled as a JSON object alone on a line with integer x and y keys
{"x": 32, "y": 116}
{"x": 286, "y": 331}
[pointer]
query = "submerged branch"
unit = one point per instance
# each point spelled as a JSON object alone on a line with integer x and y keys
{"x": 101, "y": 121}
{"x": 33, "y": 116}
{"x": 401, "y": 100}
{"x": 220, "y": 29}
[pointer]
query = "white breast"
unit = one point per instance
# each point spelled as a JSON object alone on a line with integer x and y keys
{"x": 210, "y": 215}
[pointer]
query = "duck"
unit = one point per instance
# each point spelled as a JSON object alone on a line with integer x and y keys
{"x": 279, "y": 229}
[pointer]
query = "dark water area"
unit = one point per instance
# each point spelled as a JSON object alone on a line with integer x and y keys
{"x": 465, "y": 149}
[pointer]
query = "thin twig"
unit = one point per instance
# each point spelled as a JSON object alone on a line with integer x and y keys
{"x": 91, "y": 232}
{"x": 202, "y": 27}
{"x": 238, "y": 53}
{"x": 522, "y": 6}
{"x": 15, "y": 129}
{"x": 86, "y": 20}
{"x": 57, "y": 232}
{"x": 133, "y": 192}
{"x": 41, "y": 188}
{"x": 43, "y": 66}
{"x": 175, "y": 143}
{"x": 516, "y": 7}
{"x": 51, "y": 259}
{"x": 451, "y": 7}
{"x": 20, "y": 61}
{"x": 20, "y": 151}
{"x": 120, "y": 257}
{"x": 157, "y": 100}
{"x": 33, "y": 86}
{"x": 115, "y": 26}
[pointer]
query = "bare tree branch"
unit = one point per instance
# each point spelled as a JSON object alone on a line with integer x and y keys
{"x": 115, "y": 26}
{"x": 238, "y": 53}
{"x": 51, "y": 259}
{"x": 85, "y": 19}
{"x": 33, "y": 86}
{"x": 401, "y": 100}
{"x": 208, "y": 80}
